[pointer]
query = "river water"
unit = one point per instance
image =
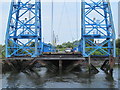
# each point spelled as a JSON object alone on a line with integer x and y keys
{"x": 74, "y": 79}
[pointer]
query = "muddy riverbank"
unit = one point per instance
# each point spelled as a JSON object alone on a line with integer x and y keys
{"x": 73, "y": 79}
{"x": 21, "y": 65}
{"x": 41, "y": 77}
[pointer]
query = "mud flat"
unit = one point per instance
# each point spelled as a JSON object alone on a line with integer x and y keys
{"x": 22, "y": 65}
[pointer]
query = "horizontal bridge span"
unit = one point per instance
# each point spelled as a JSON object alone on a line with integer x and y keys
{"x": 51, "y": 57}
{"x": 46, "y": 58}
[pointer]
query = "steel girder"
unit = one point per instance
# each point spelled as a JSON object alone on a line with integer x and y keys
{"x": 97, "y": 25}
{"x": 23, "y": 35}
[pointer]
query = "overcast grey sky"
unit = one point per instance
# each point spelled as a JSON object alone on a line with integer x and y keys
{"x": 64, "y": 20}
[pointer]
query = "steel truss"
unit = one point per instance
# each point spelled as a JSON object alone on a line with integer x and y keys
{"x": 23, "y": 36}
{"x": 97, "y": 25}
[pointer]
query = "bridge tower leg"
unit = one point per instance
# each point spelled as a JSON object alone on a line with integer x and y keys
{"x": 23, "y": 35}
{"x": 97, "y": 29}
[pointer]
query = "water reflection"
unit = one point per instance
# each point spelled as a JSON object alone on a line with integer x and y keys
{"x": 44, "y": 79}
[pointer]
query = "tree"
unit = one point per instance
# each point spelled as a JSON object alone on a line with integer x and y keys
{"x": 2, "y": 51}
{"x": 59, "y": 46}
{"x": 118, "y": 43}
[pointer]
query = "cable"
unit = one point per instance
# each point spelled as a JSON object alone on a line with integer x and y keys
{"x": 69, "y": 22}
{"x": 52, "y": 22}
{"x": 63, "y": 7}
{"x": 77, "y": 19}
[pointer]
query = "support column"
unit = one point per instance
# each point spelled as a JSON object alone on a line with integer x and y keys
{"x": 111, "y": 62}
{"x": 89, "y": 64}
{"x": 91, "y": 68}
{"x": 11, "y": 65}
{"x": 60, "y": 67}
{"x": 108, "y": 65}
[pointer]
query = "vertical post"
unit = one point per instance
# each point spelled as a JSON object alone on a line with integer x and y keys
{"x": 7, "y": 31}
{"x": 36, "y": 25}
{"x": 83, "y": 26}
{"x": 111, "y": 62}
{"x": 41, "y": 44}
{"x": 113, "y": 32}
{"x": 60, "y": 67}
{"x": 16, "y": 26}
{"x": 114, "y": 48}
{"x": 89, "y": 64}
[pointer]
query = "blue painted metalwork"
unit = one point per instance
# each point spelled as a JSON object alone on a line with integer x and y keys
{"x": 23, "y": 36}
{"x": 97, "y": 24}
{"x": 48, "y": 48}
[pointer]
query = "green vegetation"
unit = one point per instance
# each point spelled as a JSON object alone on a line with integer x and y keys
{"x": 63, "y": 46}
{"x": 118, "y": 43}
{"x": 118, "y": 46}
{"x": 67, "y": 45}
{"x": 2, "y": 51}
{"x": 75, "y": 43}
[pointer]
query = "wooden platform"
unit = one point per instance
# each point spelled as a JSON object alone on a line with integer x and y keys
{"x": 47, "y": 56}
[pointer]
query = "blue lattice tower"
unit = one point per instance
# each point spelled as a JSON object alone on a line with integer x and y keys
{"x": 23, "y": 35}
{"x": 97, "y": 29}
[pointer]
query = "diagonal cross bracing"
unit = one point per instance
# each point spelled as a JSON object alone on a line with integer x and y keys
{"x": 97, "y": 25}
{"x": 23, "y": 36}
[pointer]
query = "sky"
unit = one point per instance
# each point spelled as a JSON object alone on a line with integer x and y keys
{"x": 64, "y": 21}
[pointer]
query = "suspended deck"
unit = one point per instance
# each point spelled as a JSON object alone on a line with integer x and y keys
{"x": 52, "y": 56}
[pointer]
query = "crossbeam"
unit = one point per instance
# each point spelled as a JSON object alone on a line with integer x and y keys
{"x": 97, "y": 29}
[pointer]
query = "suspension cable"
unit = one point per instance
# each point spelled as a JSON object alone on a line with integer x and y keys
{"x": 63, "y": 7}
{"x": 52, "y": 22}
{"x": 77, "y": 19}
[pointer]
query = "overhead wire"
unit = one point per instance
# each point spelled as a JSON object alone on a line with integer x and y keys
{"x": 69, "y": 22}
{"x": 64, "y": 9}
{"x": 60, "y": 21}
{"x": 77, "y": 19}
{"x": 52, "y": 21}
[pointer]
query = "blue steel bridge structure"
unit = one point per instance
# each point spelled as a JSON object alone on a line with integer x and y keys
{"x": 93, "y": 29}
{"x": 24, "y": 35}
